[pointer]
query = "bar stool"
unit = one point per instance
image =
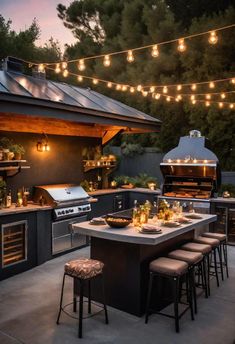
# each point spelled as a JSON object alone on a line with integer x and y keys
{"x": 83, "y": 270}
{"x": 215, "y": 244}
{"x": 173, "y": 270}
{"x": 223, "y": 247}
{"x": 193, "y": 259}
{"x": 205, "y": 250}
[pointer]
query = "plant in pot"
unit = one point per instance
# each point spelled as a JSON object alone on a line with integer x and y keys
{"x": 5, "y": 153}
{"x": 18, "y": 151}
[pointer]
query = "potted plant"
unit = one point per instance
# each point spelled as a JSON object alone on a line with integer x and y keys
{"x": 18, "y": 151}
{"x": 5, "y": 153}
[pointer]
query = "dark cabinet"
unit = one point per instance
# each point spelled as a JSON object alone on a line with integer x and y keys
{"x": 109, "y": 203}
{"x": 225, "y": 220}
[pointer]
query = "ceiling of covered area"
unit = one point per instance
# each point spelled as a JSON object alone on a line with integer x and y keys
{"x": 39, "y": 104}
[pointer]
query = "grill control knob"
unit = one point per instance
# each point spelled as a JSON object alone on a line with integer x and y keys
{"x": 66, "y": 211}
{"x": 63, "y": 212}
{"x": 71, "y": 210}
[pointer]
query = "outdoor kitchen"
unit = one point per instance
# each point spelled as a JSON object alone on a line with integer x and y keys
{"x": 117, "y": 217}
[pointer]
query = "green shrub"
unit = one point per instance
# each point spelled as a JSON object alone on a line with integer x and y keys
{"x": 227, "y": 187}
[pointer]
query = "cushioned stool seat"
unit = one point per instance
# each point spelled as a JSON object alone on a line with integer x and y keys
{"x": 167, "y": 266}
{"x": 207, "y": 241}
{"x": 193, "y": 246}
{"x": 187, "y": 256}
{"x": 83, "y": 268}
{"x": 218, "y": 236}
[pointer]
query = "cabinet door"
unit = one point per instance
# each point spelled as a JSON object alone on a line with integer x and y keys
{"x": 220, "y": 226}
{"x": 231, "y": 226}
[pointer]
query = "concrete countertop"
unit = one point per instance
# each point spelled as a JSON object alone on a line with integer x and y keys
{"x": 110, "y": 191}
{"x": 130, "y": 234}
{"x": 17, "y": 210}
{"x": 223, "y": 200}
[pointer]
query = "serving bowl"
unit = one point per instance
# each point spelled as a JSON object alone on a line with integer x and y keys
{"x": 118, "y": 221}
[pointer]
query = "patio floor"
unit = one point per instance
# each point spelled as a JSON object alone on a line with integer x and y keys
{"x": 29, "y": 305}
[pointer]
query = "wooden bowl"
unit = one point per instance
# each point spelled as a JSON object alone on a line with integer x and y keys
{"x": 118, "y": 222}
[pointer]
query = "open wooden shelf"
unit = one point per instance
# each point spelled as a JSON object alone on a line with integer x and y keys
{"x": 94, "y": 164}
{"x": 12, "y": 167}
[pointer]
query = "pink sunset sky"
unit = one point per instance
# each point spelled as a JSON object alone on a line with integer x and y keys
{"x": 22, "y": 13}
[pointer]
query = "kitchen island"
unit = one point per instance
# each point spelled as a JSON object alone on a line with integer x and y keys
{"x": 126, "y": 254}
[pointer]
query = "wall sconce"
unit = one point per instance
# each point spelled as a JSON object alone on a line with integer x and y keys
{"x": 42, "y": 144}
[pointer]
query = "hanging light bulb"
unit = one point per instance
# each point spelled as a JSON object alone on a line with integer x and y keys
{"x": 221, "y": 104}
{"x": 192, "y": 97}
{"x": 179, "y": 87}
{"x": 57, "y": 68}
{"x": 223, "y": 95}
{"x": 212, "y": 84}
{"x": 155, "y": 51}
{"x": 179, "y": 97}
{"x": 109, "y": 85}
{"x": 65, "y": 73}
{"x": 157, "y": 96}
{"x": 165, "y": 89}
{"x": 95, "y": 81}
{"x": 139, "y": 88}
{"x": 207, "y": 103}
{"x": 231, "y": 106}
{"x": 193, "y": 87}
{"x": 194, "y": 101}
{"x": 233, "y": 80}
{"x": 80, "y": 78}
{"x": 181, "y": 45}
{"x": 64, "y": 65}
{"x": 144, "y": 93}
{"x": 124, "y": 88}
{"x": 107, "y": 61}
{"x": 81, "y": 65}
{"x": 152, "y": 89}
{"x": 118, "y": 87}
{"x": 208, "y": 96}
{"x": 41, "y": 68}
{"x": 213, "y": 38}
{"x": 132, "y": 89}
{"x": 168, "y": 98}
{"x": 130, "y": 56}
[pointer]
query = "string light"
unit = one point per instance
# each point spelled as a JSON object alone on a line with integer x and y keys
{"x": 124, "y": 88}
{"x": 231, "y": 106}
{"x": 179, "y": 87}
{"x": 221, "y": 104}
{"x": 181, "y": 45}
{"x": 192, "y": 97}
{"x": 144, "y": 93}
{"x": 132, "y": 89}
{"x": 208, "y": 96}
{"x": 95, "y": 81}
{"x": 157, "y": 96}
{"x": 194, "y": 101}
{"x": 207, "y": 103}
{"x": 81, "y": 65}
{"x": 80, "y": 78}
{"x": 139, "y": 88}
{"x": 194, "y": 87}
{"x": 109, "y": 84}
{"x": 118, "y": 87}
{"x": 168, "y": 98}
{"x": 64, "y": 65}
{"x": 130, "y": 56}
{"x": 57, "y": 68}
{"x": 155, "y": 51}
{"x": 213, "y": 38}
{"x": 107, "y": 61}
{"x": 212, "y": 84}
{"x": 152, "y": 89}
{"x": 165, "y": 89}
{"x": 65, "y": 73}
{"x": 223, "y": 95}
{"x": 41, "y": 68}
{"x": 233, "y": 81}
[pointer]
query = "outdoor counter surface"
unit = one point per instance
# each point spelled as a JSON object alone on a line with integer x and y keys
{"x": 130, "y": 234}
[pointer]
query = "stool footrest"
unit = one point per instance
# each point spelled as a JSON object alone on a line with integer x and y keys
{"x": 86, "y": 317}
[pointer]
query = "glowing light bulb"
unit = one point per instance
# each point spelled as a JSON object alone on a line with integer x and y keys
{"x": 41, "y": 67}
{"x": 194, "y": 87}
{"x": 65, "y": 73}
{"x": 124, "y": 88}
{"x": 152, "y": 89}
{"x": 169, "y": 160}
{"x": 194, "y": 101}
{"x": 57, "y": 68}
{"x": 81, "y": 65}
{"x": 221, "y": 104}
{"x": 179, "y": 97}
{"x": 144, "y": 93}
{"x": 168, "y": 99}
{"x": 212, "y": 84}
{"x": 107, "y": 61}
{"x": 205, "y": 161}
{"x": 181, "y": 45}
{"x": 207, "y": 103}
{"x": 64, "y": 65}
{"x": 233, "y": 80}
{"x": 208, "y": 96}
{"x": 139, "y": 88}
{"x": 155, "y": 51}
{"x": 195, "y": 161}
{"x": 192, "y": 97}
{"x": 132, "y": 89}
{"x": 80, "y": 78}
{"x": 231, "y": 106}
{"x": 213, "y": 38}
{"x": 118, "y": 87}
{"x": 178, "y": 161}
{"x": 130, "y": 56}
{"x": 223, "y": 95}
{"x": 95, "y": 81}
{"x": 157, "y": 96}
{"x": 165, "y": 89}
{"x": 109, "y": 84}
{"x": 179, "y": 87}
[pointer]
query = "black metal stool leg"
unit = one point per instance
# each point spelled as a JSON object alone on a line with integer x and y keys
{"x": 207, "y": 275}
{"x": 74, "y": 296}
{"x": 176, "y": 303}
{"x": 221, "y": 261}
{"x": 216, "y": 269}
{"x": 80, "y": 309}
{"x": 89, "y": 296}
{"x": 225, "y": 251}
{"x": 190, "y": 293}
{"x": 104, "y": 301}
{"x": 194, "y": 289}
{"x": 148, "y": 297}
{"x": 61, "y": 300}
